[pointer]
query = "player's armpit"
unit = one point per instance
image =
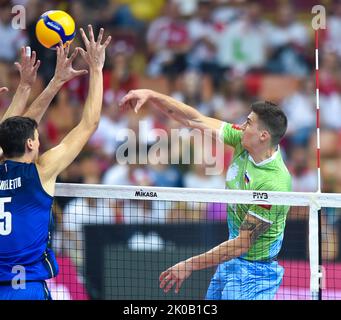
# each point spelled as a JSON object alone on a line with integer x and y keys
{"x": 252, "y": 227}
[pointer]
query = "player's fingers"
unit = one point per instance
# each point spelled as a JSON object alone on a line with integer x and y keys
{"x": 165, "y": 280}
{"x": 18, "y": 66}
{"x": 22, "y": 52}
{"x": 106, "y": 43}
{"x": 169, "y": 285}
{"x": 178, "y": 285}
{"x": 27, "y": 51}
{"x": 59, "y": 52}
{"x": 33, "y": 57}
{"x": 84, "y": 37}
{"x": 66, "y": 51}
{"x": 163, "y": 275}
{"x": 139, "y": 104}
{"x": 122, "y": 103}
{"x": 91, "y": 33}
{"x": 74, "y": 55}
{"x": 61, "y": 49}
{"x": 100, "y": 36}
{"x": 80, "y": 72}
{"x": 37, "y": 65}
{"x": 82, "y": 52}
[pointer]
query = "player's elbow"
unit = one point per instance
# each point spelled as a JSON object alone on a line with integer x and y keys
{"x": 95, "y": 124}
{"x": 89, "y": 125}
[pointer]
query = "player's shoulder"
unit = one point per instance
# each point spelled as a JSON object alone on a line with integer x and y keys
{"x": 23, "y": 169}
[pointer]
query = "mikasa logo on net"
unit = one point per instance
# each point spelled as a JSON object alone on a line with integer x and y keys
{"x": 148, "y": 194}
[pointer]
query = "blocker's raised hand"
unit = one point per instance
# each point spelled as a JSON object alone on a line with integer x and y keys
{"x": 28, "y": 66}
{"x": 64, "y": 69}
{"x": 94, "y": 54}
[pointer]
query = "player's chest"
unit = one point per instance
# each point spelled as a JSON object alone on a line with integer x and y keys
{"x": 241, "y": 174}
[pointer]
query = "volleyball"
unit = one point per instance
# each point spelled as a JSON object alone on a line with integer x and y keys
{"x": 55, "y": 26}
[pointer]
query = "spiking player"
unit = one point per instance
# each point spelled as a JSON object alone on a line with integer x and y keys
{"x": 247, "y": 265}
{"x": 27, "y": 184}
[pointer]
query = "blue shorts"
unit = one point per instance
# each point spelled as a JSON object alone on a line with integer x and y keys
{"x": 239, "y": 279}
{"x": 34, "y": 290}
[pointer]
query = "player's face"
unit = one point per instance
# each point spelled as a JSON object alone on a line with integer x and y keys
{"x": 251, "y": 132}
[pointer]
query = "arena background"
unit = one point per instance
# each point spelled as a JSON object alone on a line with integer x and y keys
{"x": 186, "y": 49}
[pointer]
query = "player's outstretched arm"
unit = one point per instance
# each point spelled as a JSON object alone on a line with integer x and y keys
{"x": 55, "y": 160}
{"x": 181, "y": 112}
{"x": 64, "y": 72}
{"x": 250, "y": 229}
{"x": 28, "y": 68}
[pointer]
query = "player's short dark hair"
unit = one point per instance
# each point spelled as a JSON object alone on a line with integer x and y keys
{"x": 14, "y": 133}
{"x": 272, "y": 117}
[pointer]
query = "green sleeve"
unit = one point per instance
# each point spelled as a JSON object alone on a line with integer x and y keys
{"x": 231, "y": 134}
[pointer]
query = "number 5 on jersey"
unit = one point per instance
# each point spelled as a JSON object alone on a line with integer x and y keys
{"x": 5, "y": 218}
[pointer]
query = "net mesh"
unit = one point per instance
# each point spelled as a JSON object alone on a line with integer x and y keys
{"x": 114, "y": 248}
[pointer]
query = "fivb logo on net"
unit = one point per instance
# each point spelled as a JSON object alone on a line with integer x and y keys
{"x": 176, "y": 146}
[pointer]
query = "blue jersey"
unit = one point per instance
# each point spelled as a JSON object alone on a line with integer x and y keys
{"x": 25, "y": 221}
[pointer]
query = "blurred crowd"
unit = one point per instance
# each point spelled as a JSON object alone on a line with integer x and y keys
{"x": 215, "y": 55}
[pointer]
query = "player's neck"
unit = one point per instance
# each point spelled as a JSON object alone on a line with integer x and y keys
{"x": 261, "y": 155}
{"x": 25, "y": 159}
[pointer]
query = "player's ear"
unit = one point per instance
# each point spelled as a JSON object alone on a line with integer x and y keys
{"x": 29, "y": 144}
{"x": 265, "y": 136}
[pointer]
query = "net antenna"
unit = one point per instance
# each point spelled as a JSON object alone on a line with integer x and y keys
{"x": 315, "y": 223}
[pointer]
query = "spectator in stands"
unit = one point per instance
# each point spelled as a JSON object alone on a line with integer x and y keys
{"x": 330, "y": 73}
{"x": 304, "y": 177}
{"x": 333, "y": 35}
{"x": 161, "y": 170}
{"x": 289, "y": 41}
{"x": 243, "y": 46}
{"x": 105, "y": 139}
{"x": 119, "y": 78}
{"x": 197, "y": 178}
{"x": 231, "y": 102}
{"x": 226, "y": 12}
{"x": 194, "y": 89}
{"x": 11, "y": 41}
{"x": 168, "y": 42}
{"x": 203, "y": 34}
{"x": 300, "y": 109}
{"x": 330, "y": 86}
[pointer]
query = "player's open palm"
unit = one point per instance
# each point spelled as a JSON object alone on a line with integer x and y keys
{"x": 175, "y": 275}
{"x": 64, "y": 70}
{"x": 28, "y": 66}
{"x": 94, "y": 55}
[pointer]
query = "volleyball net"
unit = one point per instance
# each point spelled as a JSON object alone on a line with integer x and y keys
{"x": 112, "y": 242}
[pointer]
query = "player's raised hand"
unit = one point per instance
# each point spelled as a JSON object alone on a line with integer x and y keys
{"x": 175, "y": 275}
{"x": 64, "y": 70}
{"x": 94, "y": 54}
{"x": 28, "y": 66}
{"x": 134, "y": 99}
